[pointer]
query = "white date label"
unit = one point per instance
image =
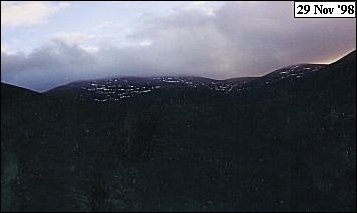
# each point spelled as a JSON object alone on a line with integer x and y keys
{"x": 325, "y": 9}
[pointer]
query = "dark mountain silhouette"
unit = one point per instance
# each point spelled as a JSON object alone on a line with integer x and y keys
{"x": 11, "y": 93}
{"x": 184, "y": 143}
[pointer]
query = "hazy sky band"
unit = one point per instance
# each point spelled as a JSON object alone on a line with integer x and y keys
{"x": 44, "y": 44}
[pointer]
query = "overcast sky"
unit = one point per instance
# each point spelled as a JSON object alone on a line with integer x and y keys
{"x": 45, "y": 44}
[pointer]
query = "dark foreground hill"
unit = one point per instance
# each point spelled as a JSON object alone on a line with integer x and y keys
{"x": 282, "y": 142}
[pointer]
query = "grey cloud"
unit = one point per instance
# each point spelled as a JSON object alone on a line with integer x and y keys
{"x": 240, "y": 39}
{"x": 47, "y": 66}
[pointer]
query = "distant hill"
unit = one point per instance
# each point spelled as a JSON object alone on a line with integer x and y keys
{"x": 117, "y": 89}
